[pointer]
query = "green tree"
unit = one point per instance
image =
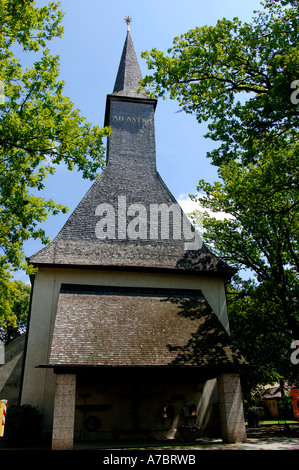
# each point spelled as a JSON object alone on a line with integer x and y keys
{"x": 39, "y": 127}
{"x": 240, "y": 79}
{"x": 261, "y": 232}
{"x": 260, "y": 332}
{"x": 14, "y": 311}
{"x": 237, "y": 77}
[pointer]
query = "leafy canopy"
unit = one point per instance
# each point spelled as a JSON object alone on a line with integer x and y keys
{"x": 14, "y": 308}
{"x": 260, "y": 332}
{"x": 39, "y": 126}
{"x": 236, "y": 76}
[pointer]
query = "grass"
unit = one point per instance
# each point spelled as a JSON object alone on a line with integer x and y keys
{"x": 279, "y": 421}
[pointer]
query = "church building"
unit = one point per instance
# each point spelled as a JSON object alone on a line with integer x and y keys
{"x": 128, "y": 335}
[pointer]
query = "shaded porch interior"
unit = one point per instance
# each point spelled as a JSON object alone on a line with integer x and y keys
{"x": 143, "y": 404}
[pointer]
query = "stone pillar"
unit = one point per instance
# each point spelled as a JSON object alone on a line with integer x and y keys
{"x": 231, "y": 408}
{"x": 64, "y": 412}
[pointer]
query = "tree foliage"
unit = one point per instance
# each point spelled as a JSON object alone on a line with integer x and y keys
{"x": 260, "y": 332}
{"x": 14, "y": 309}
{"x": 241, "y": 78}
{"x": 236, "y": 76}
{"x": 39, "y": 127}
{"x": 261, "y": 233}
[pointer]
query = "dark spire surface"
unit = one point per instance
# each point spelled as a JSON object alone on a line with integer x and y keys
{"x": 129, "y": 74}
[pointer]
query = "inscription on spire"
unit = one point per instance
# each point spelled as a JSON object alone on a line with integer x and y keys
{"x": 142, "y": 120}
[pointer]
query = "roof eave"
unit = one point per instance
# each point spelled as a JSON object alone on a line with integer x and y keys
{"x": 226, "y": 275}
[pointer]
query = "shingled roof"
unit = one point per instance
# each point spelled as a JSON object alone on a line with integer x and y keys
{"x": 129, "y": 74}
{"x": 113, "y": 326}
{"x": 129, "y": 180}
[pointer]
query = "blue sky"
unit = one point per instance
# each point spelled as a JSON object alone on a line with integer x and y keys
{"x": 90, "y": 51}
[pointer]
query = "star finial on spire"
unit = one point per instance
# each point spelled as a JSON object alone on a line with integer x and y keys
{"x": 128, "y": 20}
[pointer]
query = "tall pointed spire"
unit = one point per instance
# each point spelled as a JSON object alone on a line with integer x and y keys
{"x": 129, "y": 74}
